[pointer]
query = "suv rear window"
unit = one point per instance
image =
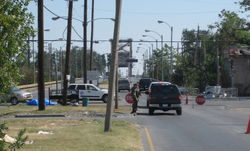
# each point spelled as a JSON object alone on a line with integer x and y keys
{"x": 164, "y": 89}
{"x": 123, "y": 82}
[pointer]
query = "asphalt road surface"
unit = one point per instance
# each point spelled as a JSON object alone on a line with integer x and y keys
{"x": 214, "y": 126}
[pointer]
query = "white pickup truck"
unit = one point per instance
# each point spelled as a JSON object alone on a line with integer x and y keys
{"x": 78, "y": 91}
{"x": 90, "y": 91}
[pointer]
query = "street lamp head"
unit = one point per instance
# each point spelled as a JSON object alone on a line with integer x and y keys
{"x": 160, "y": 21}
{"x": 144, "y": 35}
{"x": 55, "y": 18}
{"x": 146, "y": 30}
{"x": 112, "y": 19}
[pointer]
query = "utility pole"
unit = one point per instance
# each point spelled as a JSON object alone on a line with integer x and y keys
{"x": 92, "y": 35}
{"x": 116, "y": 81}
{"x": 67, "y": 57}
{"x": 85, "y": 41}
{"x": 41, "y": 92}
{"x": 114, "y": 63}
{"x": 34, "y": 64}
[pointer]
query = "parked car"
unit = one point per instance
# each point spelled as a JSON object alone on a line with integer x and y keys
{"x": 16, "y": 95}
{"x": 144, "y": 83}
{"x": 163, "y": 96}
{"x": 123, "y": 84}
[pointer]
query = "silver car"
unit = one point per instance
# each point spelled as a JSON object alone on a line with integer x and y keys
{"x": 16, "y": 95}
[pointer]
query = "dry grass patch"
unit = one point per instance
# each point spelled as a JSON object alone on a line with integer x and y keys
{"x": 78, "y": 135}
{"x": 59, "y": 109}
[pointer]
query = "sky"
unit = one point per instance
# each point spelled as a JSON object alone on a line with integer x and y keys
{"x": 137, "y": 15}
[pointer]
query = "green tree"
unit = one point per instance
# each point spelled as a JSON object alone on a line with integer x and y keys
{"x": 15, "y": 28}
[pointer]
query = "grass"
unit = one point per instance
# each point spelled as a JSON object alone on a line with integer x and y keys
{"x": 78, "y": 135}
{"x": 58, "y": 109}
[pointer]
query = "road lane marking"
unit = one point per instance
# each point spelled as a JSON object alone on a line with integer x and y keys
{"x": 149, "y": 139}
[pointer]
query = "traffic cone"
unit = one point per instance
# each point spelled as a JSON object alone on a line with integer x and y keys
{"x": 248, "y": 127}
{"x": 186, "y": 99}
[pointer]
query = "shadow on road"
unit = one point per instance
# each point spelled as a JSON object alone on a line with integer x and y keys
{"x": 156, "y": 114}
{"x": 142, "y": 107}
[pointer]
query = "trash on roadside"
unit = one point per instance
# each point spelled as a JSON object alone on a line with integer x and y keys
{"x": 35, "y": 102}
{"x": 8, "y": 139}
{"x": 11, "y": 140}
{"x": 44, "y": 133}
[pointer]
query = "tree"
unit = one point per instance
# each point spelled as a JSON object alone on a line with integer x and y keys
{"x": 15, "y": 28}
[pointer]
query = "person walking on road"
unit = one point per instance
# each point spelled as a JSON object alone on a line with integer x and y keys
{"x": 135, "y": 91}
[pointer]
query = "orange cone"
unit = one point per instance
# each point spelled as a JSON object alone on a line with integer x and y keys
{"x": 248, "y": 127}
{"x": 186, "y": 99}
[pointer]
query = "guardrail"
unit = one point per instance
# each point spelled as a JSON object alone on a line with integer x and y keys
{"x": 46, "y": 84}
{"x": 35, "y": 85}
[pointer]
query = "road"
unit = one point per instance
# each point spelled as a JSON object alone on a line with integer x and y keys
{"x": 215, "y": 126}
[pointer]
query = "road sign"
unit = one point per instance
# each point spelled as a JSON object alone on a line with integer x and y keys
{"x": 93, "y": 75}
{"x": 129, "y": 98}
{"x": 200, "y": 100}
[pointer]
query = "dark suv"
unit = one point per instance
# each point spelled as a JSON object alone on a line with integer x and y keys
{"x": 163, "y": 96}
{"x": 144, "y": 83}
{"x": 123, "y": 84}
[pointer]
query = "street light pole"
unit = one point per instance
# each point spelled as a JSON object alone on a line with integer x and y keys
{"x": 171, "y": 45}
{"x": 156, "y": 40}
{"x": 161, "y": 36}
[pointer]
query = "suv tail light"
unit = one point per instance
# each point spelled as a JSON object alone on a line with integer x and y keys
{"x": 148, "y": 92}
{"x": 180, "y": 97}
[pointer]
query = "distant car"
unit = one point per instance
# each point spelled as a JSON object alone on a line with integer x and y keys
{"x": 163, "y": 96}
{"x": 144, "y": 83}
{"x": 16, "y": 95}
{"x": 123, "y": 84}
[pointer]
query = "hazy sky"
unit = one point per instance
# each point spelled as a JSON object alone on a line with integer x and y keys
{"x": 137, "y": 15}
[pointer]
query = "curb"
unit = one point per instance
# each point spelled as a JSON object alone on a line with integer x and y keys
{"x": 39, "y": 115}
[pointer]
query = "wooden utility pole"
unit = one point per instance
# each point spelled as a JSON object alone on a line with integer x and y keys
{"x": 67, "y": 57}
{"x": 85, "y": 41}
{"x": 113, "y": 69}
{"x": 41, "y": 92}
{"x": 92, "y": 35}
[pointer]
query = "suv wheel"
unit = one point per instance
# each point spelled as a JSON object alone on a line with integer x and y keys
{"x": 14, "y": 101}
{"x": 105, "y": 98}
{"x": 150, "y": 111}
{"x": 179, "y": 111}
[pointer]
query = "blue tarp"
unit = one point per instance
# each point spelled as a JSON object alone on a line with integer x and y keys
{"x": 34, "y": 102}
